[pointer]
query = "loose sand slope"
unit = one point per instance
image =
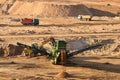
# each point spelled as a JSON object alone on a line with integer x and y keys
{"x": 47, "y": 9}
{"x": 53, "y": 8}
{"x": 65, "y": 8}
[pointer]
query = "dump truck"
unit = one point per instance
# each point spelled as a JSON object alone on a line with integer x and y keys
{"x": 59, "y": 53}
{"x": 85, "y": 17}
{"x": 29, "y": 21}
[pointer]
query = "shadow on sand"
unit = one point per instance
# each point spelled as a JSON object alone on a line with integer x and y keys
{"x": 81, "y": 62}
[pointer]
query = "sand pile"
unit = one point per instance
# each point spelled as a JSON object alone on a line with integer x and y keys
{"x": 109, "y": 47}
{"x": 62, "y": 75}
{"x": 10, "y": 50}
{"x": 77, "y": 44}
{"x": 43, "y": 9}
{"x": 5, "y": 5}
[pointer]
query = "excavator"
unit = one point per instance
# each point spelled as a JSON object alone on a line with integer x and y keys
{"x": 58, "y": 54}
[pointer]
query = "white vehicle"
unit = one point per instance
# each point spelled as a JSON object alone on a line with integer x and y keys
{"x": 85, "y": 17}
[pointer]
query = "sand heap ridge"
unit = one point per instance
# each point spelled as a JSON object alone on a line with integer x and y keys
{"x": 43, "y": 9}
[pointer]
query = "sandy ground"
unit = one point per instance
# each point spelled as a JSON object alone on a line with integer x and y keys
{"x": 98, "y": 64}
{"x": 79, "y": 68}
{"x": 102, "y": 63}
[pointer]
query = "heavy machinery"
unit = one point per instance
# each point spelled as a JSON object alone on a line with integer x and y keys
{"x": 36, "y": 49}
{"x": 58, "y": 54}
{"x": 85, "y": 17}
{"x": 32, "y": 50}
{"x": 29, "y": 21}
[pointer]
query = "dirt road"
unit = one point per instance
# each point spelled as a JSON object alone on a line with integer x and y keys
{"x": 64, "y": 35}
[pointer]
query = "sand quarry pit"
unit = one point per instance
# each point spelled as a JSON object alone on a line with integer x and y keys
{"x": 99, "y": 63}
{"x": 58, "y": 19}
